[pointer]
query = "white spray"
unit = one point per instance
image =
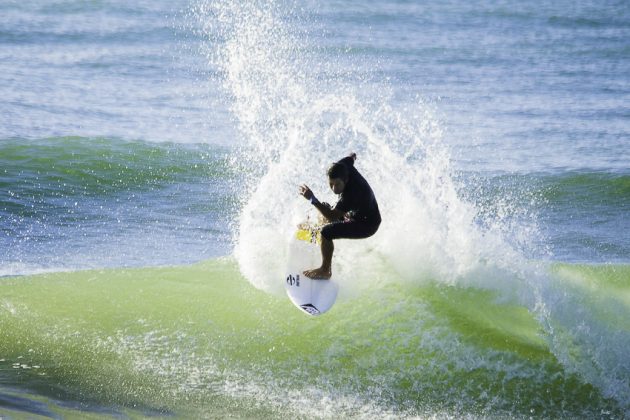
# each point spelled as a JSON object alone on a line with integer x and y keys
{"x": 296, "y": 122}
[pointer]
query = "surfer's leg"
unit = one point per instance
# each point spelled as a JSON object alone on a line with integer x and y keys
{"x": 327, "y": 248}
{"x": 324, "y": 272}
{"x": 338, "y": 230}
{"x": 349, "y": 230}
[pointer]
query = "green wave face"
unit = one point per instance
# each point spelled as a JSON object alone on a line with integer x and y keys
{"x": 590, "y": 187}
{"x": 200, "y": 341}
{"x": 78, "y": 166}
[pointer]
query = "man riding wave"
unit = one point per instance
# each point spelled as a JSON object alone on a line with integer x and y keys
{"x": 355, "y": 216}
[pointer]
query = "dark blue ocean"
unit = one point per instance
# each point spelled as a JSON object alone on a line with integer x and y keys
{"x": 496, "y": 136}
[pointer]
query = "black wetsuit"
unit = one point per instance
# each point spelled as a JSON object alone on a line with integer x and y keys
{"x": 358, "y": 202}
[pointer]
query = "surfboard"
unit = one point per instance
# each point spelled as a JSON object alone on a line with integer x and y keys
{"x": 313, "y": 297}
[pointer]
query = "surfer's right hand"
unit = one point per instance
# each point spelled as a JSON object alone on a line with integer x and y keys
{"x": 306, "y": 192}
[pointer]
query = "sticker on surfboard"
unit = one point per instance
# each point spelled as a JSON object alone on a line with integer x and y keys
{"x": 313, "y": 297}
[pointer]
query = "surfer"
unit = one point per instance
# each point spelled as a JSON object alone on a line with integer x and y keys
{"x": 355, "y": 216}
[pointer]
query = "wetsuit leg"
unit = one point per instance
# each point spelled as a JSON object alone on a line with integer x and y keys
{"x": 349, "y": 230}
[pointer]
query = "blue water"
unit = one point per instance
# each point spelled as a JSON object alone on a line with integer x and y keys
{"x": 157, "y": 133}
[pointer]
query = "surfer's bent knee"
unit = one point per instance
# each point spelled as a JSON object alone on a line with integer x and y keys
{"x": 349, "y": 230}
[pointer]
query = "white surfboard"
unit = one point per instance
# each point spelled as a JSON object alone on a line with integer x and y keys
{"x": 314, "y": 297}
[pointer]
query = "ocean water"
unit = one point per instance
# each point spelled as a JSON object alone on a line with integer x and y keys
{"x": 150, "y": 154}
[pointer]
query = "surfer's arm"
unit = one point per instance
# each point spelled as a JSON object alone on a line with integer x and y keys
{"x": 328, "y": 212}
{"x": 325, "y": 209}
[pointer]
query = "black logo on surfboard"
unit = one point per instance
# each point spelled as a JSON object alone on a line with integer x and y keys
{"x": 308, "y": 307}
{"x": 293, "y": 280}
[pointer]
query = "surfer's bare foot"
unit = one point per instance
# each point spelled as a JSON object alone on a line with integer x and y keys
{"x": 318, "y": 274}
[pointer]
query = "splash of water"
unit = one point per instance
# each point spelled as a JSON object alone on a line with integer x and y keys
{"x": 296, "y": 119}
